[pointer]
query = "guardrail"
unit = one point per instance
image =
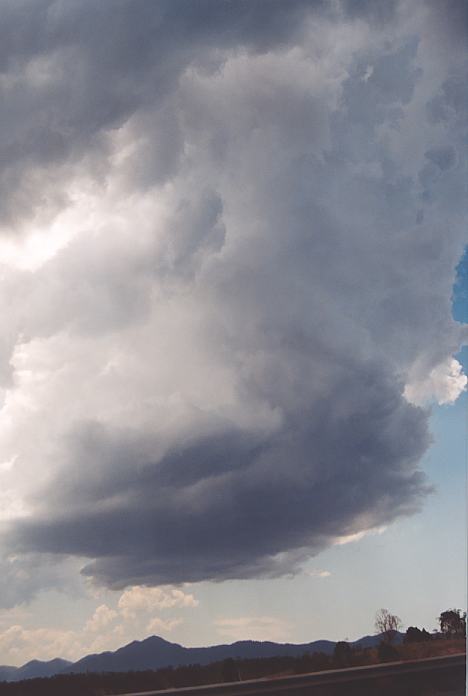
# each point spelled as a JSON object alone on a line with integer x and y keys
{"x": 448, "y": 671}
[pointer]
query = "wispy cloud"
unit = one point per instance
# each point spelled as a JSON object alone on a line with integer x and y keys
{"x": 253, "y": 628}
{"x": 357, "y": 536}
{"x": 319, "y": 573}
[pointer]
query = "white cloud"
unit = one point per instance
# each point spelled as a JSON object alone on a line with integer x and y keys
{"x": 443, "y": 384}
{"x": 18, "y": 644}
{"x": 101, "y": 618}
{"x": 106, "y": 629}
{"x": 146, "y": 599}
{"x": 349, "y": 538}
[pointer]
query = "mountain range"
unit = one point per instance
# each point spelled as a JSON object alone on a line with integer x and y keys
{"x": 34, "y": 668}
{"x": 155, "y": 652}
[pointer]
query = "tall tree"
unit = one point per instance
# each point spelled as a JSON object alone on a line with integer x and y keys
{"x": 387, "y": 625}
{"x": 453, "y": 623}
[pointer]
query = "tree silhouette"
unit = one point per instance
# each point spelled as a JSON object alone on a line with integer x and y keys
{"x": 415, "y": 635}
{"x": 387, "y": 625}
{"x": 453, "y": 623}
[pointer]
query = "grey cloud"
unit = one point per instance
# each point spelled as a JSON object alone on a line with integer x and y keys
{"x": 217, "y": 360}
{"x": 83, "y": 70}
{"x": 439, "y": 161}
{"x": 228, "y": 505}
{"x": 378, "y": 12}
{"x": 443, "y": 157}
{"x": 450, "y": 24}
{"x": 22, "y": 576}
{"x": 448, "y": 105}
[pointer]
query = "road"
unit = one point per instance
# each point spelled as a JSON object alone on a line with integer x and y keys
{"x": 429, "y": 670}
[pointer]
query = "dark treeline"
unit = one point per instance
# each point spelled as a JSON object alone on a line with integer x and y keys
{"x": 192, "y": 675}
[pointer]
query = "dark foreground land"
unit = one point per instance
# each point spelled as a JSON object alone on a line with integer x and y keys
{"x": 428, "y": 677}
{"x": 415, "y": 673}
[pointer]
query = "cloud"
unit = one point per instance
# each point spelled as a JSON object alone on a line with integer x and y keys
{"x": 50, "y": 54}
{"x": 44, "y": 643}
{"x": 253, "y": 218}
{"x": 101, "y": 618}
{"x": 444, "y": 383}
{"x": 146, "y": 599}
{"x": 351, "y": 538}
{"x": 21, "y": 575}
{"x": 253, "y": 628}
{"x": 20, "y": 643}
{"x": 319, "y": 573}
{"x": 108, "y": 627}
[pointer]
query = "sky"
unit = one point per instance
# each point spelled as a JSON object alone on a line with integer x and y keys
{"x": 232, "y": 315}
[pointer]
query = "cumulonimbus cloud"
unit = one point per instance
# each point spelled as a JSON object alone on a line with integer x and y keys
{"x": 262, "y": 213}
